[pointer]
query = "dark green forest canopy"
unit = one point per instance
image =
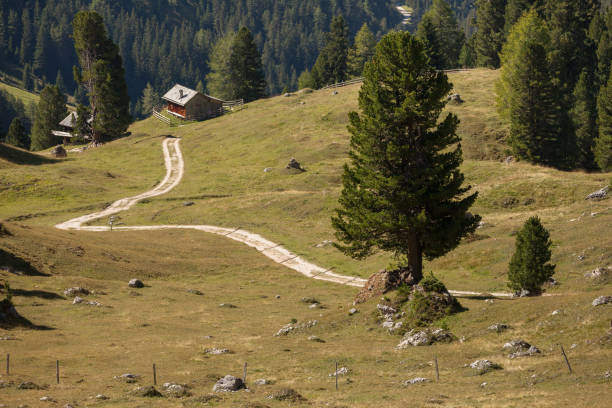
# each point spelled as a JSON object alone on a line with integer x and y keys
{"x": 168, "y": 41}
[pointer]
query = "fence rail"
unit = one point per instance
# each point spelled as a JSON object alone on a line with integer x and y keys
{"x": 232, "y": 106}
{"x": 345, "y": 83}
{"x": 160, "y": 117}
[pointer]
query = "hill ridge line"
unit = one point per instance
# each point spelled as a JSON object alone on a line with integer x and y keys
{"x": 175, "y": 169}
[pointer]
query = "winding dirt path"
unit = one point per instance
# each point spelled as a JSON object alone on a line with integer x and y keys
{"x": 175, "y": 168}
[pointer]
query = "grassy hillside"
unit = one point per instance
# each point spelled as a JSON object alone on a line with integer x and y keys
{"x": 225, "y": 158}
{"x": 24, "y": 96}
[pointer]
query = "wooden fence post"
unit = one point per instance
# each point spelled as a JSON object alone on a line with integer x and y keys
{"x": 8, "y": 363}
{"x": 244, "y": 373}
{"x": 569, "y": 367}
{"x": 437, "y": 371}
{"x": 154, "y": 375}
{"x": 336, "y": 372}
{"x": 57, "y": 370}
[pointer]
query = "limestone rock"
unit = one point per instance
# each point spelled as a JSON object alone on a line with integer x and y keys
{"x": 262, "y": 381}
{"x": 316, "y": 339}
{"x": 217, "y": 351}
{"x": 76, "y": 291}
{"x": 602, "y": 300}
{"x": 599, "y": 194}
{"x": 288, "y": 328}
{"x": 498, "y": 327}
{"x": 484, "y": 366}
{"x": 425, "y": 337}
{"x": 309, "y": 300}
{"x": 353, "y": 311}
{"x": 176, "y": 390}
{"x": 195, "y": 292}
{"x": 135, "y": 283}
{"x": 417, "y": 380}
{"x": 101, "y": 397}
{"x": 598, "y": 274}
{"x": 531, "y": 351}
{"x": 516, "y": 345}
{"x": 46, "y": 398}
{"x": 455, "y": 98}
{"x": 28, "y": 385}
{"x": 229, "y": 383}
{"x": 128, "y": 378}
{"x": 58, "y": 151}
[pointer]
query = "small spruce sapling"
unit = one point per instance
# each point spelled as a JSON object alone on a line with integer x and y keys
{"x": 529, "y": 267}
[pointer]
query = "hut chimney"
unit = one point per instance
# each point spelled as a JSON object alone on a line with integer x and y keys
{"x": 181, "y": 93}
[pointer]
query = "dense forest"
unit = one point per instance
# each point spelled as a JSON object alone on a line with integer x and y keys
{"x": 167, "y": 41}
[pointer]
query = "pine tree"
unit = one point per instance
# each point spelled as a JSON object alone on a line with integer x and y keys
{"x": 426, "y": 33}
{"x": 246, "y": 71}
{"x": 515, "y": 9}
{"x": 82, "y": 127}
{"x": 59, "y": 82}
{"x": 149, "y": 100}
{"x": 50, "y": 112}
{"x": 200, "y": 87}
{"x": 26, "y": 78}
{"x": 403, "y": 191}
{"x": 17, "y": 135}
{"x": 217, "y": 80}
{"x": 490, "y": 18}
{"x": 330, "y": 66}
{"x": 361, "y": 51}
{"x": 42, "y": 50}
{"x": 449, "y": 38}
{"x": 305, "y": 80}
{"x": 603, "y": 143}
{"x": 102, "y": 75}
{"x": 467, "y": 57}
{"x": 584, "y": 115}
{"x": 529, "y": 267}
{"x": 526, "y": 95}
{"x": 27, "y": 38}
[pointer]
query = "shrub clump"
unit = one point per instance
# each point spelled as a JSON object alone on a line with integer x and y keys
{"x": 426, "y": 302}
{"x": 529, "y": 267}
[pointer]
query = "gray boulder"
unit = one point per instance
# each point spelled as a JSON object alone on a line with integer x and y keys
{"x": 531, "y": 351}
{"x": 598, "y": 273}
{"x": 229, "y": 383}
{"x": 176, "y": 390}
{"x": 484, "y": 366}
{"x": 262, "y": 381}
{"x": 516, "y": 345}
{"x": 58, "y": 151}
{"x": 147, "y": 391}
{"x": 498, "y": 327}
{"x": 76, "y": 291}
{"x": 216, "y": 351}
{"x": 599, "y": 194}
{"x": 424, "y": 337}
{"x": 417, "y": 380}
{"x": 135, "y": 283}
{"x": 602, "y": 300}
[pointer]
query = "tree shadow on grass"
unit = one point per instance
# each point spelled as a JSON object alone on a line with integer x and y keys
{"x": 10, "y": 318}
{"x": 19, "y": 156}
{"x": 17, "y": 265}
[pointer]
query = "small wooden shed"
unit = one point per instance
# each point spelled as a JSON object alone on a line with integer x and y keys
{"x": 67, "y": 126}
{"x": 189, "y": 104}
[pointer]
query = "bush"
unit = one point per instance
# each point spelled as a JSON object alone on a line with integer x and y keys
{"x": 529, "y": 267}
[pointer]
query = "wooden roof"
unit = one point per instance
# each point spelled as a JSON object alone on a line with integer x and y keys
{"x": 70, "y": 120}
{"x": 61, "y": 134}
{"x": 181, "y": 95}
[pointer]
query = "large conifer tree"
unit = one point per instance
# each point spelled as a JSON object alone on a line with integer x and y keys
{"x": 361, "y": 51}
{"x": 331, "y": 64}
{"x": 448, "y": 37}
{"x": 526, "y": 95}
{"x": 490, "y": 18}
{"x": 17, "y": 135}
{"x": 102, "y": 75}
{"x": 403, "y": 191}
{"x": 50, "y": 112}
{"x": 246, "y": 76}
{"x": 217, "y": 83}
{"x": 603, "y": 144}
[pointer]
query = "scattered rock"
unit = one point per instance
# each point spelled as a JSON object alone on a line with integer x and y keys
{"x": 101, "y": 397}
{"x": 314, "y": 306}
{"x": 147, "y": 391}
{"x": 455, "y": 98}
{"x": 391, "y": 326}
{"x": 136, "y": 283}
{"x": 417, "y": 380}
{"x": 286, "y": 95}
{"x": 316, "y": 339}
{"x": 128, "y": 378}
{"x": 425, "y": 337}
{"x": 555, "y": 312}
{"x": 76, "y": 291}
{"x": 294, "y": 164}
{"x": 484, "y": 366}
{"x": 69, "y": 406}
{"x": 58, "y": 151}
{"x": 602, "y": 300}
{"x": 28, "y": 385}
{"x": 509, "y": 159}
{"x": 309, "y": 300}
{"x": 490, "y": 301}
{"x": 531, "y": 351}
{"x": 386, "y": 311}
{"x": 6, "y": 384}
{"x": 229, "y": 383}
{"x": 217, "y": 351}
{"x": 340, "y": 371}
{"x": 484, "y": 384}
{"x": 195, "y": 292}
{"x": 286, "y": 394}
{"x": 607, "y": 374}
{"x": 47, "y": 399}
{"x": 288, "y": 328}
{"x": 598, "y": 274}
{"x": 573, "y": 346}
{"x": 352, "y": 311}
{"x": 267, "y": 169}
{"x": 228, "y": 305}
{"x": 78, "y": 300}
{"x": 334, "y": 93}
{"x": 323, "y": 244}
{"x": 498, "y": 327}
{"x": 599, "y": 194}
{"x": 188, "y": 203}
{"x": 516, "y": 345}
{"x": 382, "y": 282}
{"x": 262, "y": 381}
{"x": 522, "y": 293}
{"x": 277, "y": 297}
{"x": 176, "y": 390}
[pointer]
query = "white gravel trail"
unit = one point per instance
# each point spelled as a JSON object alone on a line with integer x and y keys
{"x": 175, "y": 168}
